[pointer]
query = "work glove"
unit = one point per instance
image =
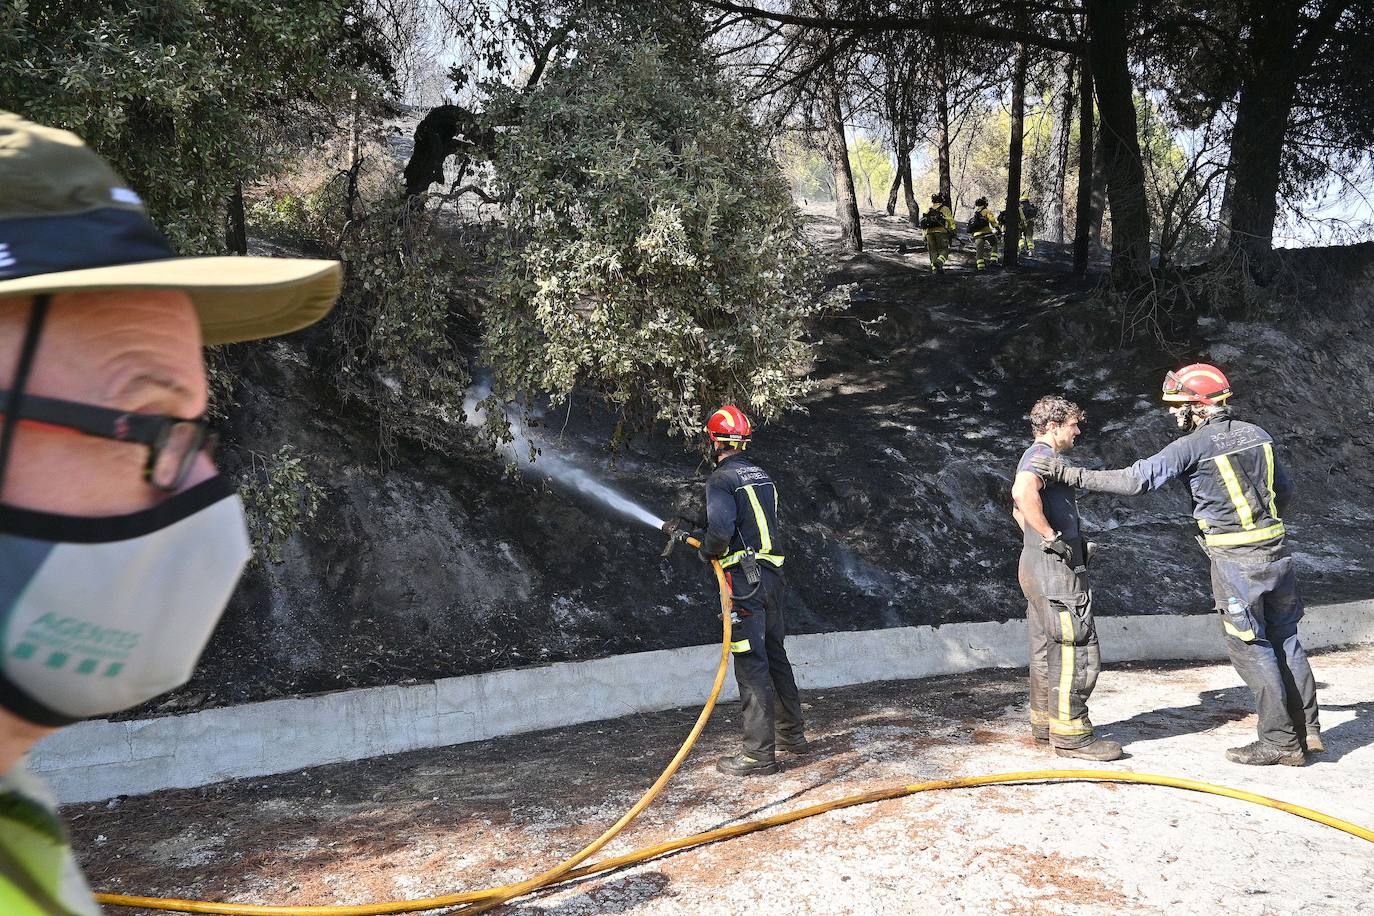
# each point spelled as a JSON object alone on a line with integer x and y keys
{"x": 1054, "y": 468}
{"x": 1122, "y": 482}
{"x": 1059, "y": 547}
{"x": 706, "y": 556}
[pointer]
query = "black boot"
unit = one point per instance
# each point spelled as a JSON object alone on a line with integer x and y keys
{"x": 800, "y": 747}
{"x": 1263, "y": 754}
{"x": 1099, "y": 749}
{"x": 746, "y": 765}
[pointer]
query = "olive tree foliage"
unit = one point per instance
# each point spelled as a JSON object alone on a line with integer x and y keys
{"x": 181, "y": 95}
{"x": 653, "y": 254}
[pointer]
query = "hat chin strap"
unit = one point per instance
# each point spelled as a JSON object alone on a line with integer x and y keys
{"x": 38, "y": 315}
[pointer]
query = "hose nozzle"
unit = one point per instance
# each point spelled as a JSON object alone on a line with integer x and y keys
{"x": 679, "y": 532}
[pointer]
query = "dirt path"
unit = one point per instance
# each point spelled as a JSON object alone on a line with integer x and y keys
{"x": 474, "y": 815}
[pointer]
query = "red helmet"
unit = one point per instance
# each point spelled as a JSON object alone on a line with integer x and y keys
{"x": 729, "y": 425}
{"x": 1198, "y": 383}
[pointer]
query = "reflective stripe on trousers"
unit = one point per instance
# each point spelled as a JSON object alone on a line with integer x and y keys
{"x": 1264, "y": 647}
{"x": 1065, "y": 658}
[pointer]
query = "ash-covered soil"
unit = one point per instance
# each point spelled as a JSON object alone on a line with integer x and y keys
{"x": 476, "y": 815}
{"x": 895, "y": 485}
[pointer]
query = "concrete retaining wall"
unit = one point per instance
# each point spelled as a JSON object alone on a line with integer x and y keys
{"x": 96, "y": 760}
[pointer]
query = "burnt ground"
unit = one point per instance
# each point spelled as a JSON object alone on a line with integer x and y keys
{"x": 894, "y": 482}
{"x": 474, "y": 815}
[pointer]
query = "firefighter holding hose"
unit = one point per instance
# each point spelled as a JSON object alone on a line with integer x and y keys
{"x": 743, "y": 533}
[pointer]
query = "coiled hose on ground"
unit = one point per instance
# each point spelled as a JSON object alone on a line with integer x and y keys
{"x": 483, "y": 900}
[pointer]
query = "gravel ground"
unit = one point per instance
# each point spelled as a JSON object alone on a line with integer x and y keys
{"x": 470, "y": 816}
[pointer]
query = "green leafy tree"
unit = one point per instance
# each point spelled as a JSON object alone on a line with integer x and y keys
{"x": 806, "y": 169}
{"x": 279, "y": 498}
{"x": 653, "y": 252}
{"x": 183, "y": 95}
{"x": 871, "y": 162}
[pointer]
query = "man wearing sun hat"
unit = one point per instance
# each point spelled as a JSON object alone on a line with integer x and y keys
{"x": 119, "y": 542}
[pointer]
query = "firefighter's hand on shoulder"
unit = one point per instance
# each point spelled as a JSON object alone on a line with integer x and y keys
{"x": 1059, "y": 547}
{"x": 1052, "y": 467}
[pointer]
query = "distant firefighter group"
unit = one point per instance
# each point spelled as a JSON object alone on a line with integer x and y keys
{"x": 983, "y": 227}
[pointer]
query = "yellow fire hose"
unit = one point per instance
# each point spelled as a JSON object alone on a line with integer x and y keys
{"x": 567, "y": 870}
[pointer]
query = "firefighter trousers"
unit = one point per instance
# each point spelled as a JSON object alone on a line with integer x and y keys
{"x": 769, "y": 701}
{"x": 937, "y": 247}
{"x": 985, "y": 249}
{"x": 1064, "y": 655}
{"x": 1261, "y": 631}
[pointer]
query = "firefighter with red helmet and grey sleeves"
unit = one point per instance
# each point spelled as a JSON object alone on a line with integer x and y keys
{"x": 743, "y": 533}
{"x": 1240, "y": 491}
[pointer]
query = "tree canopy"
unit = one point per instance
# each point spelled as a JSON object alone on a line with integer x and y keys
{"x": 652, "y": 249}
{"x": 601, "y": 202}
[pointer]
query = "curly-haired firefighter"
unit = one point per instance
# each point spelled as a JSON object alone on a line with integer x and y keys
{"x": 1064, "y": 656}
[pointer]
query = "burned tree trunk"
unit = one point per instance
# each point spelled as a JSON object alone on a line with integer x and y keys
{"x": 446, "y": 130}
{"x": 1083, "y": 217}
{"x": 1054, "y": 197}
{"x": 837, "y": 151}
{"x": 913, "y": 209}
{"x": 1097, "y": 202}
{"x": 902, "y": 165}
{"x": 1012, "y": 229}
{"x": 1120, "y": 142}
{"x": 435, "y": 140}
{"x": 942, "y": 119}
{"x": 235, "y": 230}
{"x": 1281, "y": 48}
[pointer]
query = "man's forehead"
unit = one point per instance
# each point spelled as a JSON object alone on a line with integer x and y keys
{"x": 109, "y": 305}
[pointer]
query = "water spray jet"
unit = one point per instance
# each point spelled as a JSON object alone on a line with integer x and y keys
{"x": 560, "y": 468}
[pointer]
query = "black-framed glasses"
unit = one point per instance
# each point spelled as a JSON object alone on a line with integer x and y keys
{"x": 172, "y": 442}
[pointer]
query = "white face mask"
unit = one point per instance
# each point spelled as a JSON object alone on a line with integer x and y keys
{"x": 1185, "y": 415}
{"x": 101, "y": 614}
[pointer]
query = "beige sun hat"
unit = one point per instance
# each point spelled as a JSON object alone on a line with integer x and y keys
{"x": 67, "y": 222}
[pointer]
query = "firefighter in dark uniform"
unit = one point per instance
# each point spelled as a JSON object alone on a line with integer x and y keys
{"x": 742, "y": 532}
{"x": 1239, "y": 491}
{"x": 1064, "y": 655}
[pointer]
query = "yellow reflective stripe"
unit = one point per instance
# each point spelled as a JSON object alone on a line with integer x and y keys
{"x": 731, "y": 559}
{"x": 1065, "y": 664}
{"x": 1071, "y": 727}
{"x": 1228, "y": 477}
{"x": 1039, "y": 717}
{"x": 1234, "y": 538}
{"x": 15, "y": 902}
{"x": 1244, "y": 635}
{"x": 740, "y": 646}
{"x": 1269, "y": 479}
{"x": 765, "y": 536}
